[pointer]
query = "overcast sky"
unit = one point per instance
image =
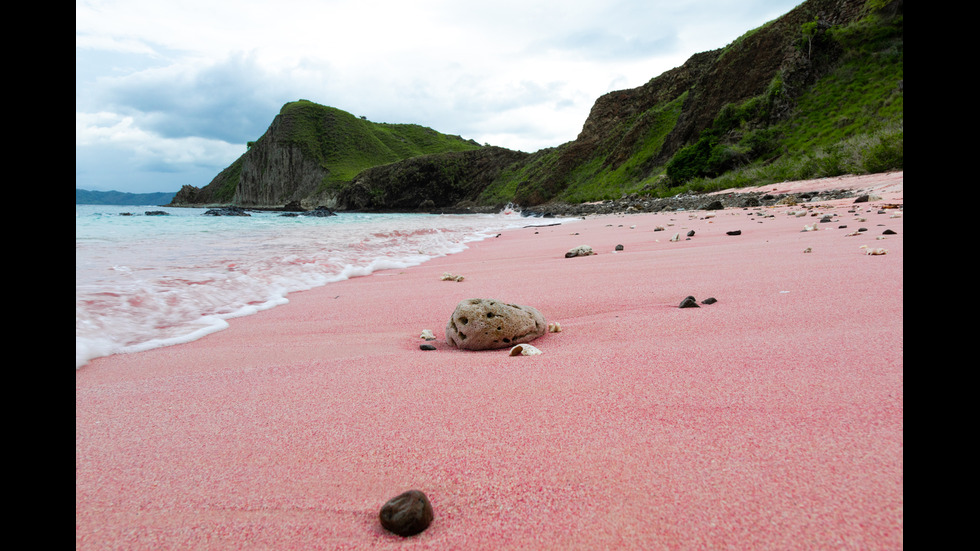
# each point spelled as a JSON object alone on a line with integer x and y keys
{"x": 168, "y": 93}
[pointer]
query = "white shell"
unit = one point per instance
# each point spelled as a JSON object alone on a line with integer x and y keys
{"x": 524, "y": 350}
{"x": 554, "y": 327}
{"x": 427, "y": 335}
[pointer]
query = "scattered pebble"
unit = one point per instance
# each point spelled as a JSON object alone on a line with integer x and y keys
{"x": 734, "y": 232}
{"x": 619, "y": 247}
{"x": 427, "y": 335}
{"x": 808, "y": 250}
{"x": 426, "y": 347}
{"x": 709, "y": 300}
{"x": 554, "y": 327}
{"x": 407, "y": 514}
{"x": 689, "y": 302}
{"x": 446, "y": 276}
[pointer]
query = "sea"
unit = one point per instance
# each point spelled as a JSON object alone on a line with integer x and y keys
{"x": 144, "y": 281}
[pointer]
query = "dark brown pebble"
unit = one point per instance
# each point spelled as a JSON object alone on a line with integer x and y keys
{"x": 407, "y": 514}
{"x": 426, "y": 347}
{"x": 709, "y": 300}
{"x": 689, "y": 302}
{"x": 734, "y": 232}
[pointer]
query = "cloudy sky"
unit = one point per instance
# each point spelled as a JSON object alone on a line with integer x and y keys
{"x": 168, "y": 93}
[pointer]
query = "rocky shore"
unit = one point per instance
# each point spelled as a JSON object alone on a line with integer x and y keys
{"x": 686, "y": 201}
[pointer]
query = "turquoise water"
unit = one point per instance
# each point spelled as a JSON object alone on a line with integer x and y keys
{"x": 147, "y": 281}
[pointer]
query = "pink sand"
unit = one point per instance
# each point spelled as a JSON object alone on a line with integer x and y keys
{"x": 772, "y": 419}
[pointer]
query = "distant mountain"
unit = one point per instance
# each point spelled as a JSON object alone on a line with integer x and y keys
{"x": 87, "y": 197}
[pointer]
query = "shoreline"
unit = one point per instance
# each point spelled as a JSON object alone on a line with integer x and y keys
{"x": 771, "y": 417}
{"x": 833, "y": 187}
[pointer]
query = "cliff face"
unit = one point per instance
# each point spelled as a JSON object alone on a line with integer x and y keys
{"x": 277, "y": 171}
{"x": 722, "y": 109}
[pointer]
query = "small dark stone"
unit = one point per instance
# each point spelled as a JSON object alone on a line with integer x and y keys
{"x": 619, "y": 247}
{"x": 407, "y": 514}
{"x": 690, "y": 233}
{"x": 709, "y": 300}
{"x": 689, "y": 302}
{"x": 734, "y": 232}
{"x": 888, "y": 232}
{"x": 426, "y": 347}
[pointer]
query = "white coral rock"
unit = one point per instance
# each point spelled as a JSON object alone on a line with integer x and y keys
{"x": 427, "y": 335}
{"x": 581, "y": 250}
{"x": 554, "y": 327}
{"x": 446, "y": 276}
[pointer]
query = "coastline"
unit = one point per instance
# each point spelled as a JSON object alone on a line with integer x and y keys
{"x": 770, "y": 418}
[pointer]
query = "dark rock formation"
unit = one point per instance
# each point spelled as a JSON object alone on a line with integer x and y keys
{"x": 428, "y": 182}
{"x": 226, "y": 211}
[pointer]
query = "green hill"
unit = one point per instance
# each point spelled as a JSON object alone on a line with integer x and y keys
{"x": 311, "y": 150}
{"x": 815, "y": 93}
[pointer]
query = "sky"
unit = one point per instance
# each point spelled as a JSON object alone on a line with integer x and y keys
{"x": 169, "y": 93}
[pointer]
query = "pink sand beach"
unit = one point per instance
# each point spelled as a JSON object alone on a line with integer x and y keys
{"x": 771, "y": 419}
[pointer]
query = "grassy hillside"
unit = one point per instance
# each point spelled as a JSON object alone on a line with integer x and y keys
{"x": 831, "y": 103}
{"x": 346, "y": 145}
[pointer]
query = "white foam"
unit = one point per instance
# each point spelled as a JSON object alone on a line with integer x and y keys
{"x": 147, "y": 282}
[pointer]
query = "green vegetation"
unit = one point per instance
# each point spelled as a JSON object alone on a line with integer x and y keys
{"x": 849, "y": 122}
{"x": 346, "y": 145}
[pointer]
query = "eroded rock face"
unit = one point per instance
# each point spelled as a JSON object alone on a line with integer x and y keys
{"x": 487, "y": 324}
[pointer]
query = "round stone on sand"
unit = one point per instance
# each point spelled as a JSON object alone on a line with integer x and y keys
{"x": 487, "y": 324}
{"x": 407, "y": 514}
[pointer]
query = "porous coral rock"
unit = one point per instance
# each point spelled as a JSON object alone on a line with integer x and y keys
{"x": 486, "y": 324}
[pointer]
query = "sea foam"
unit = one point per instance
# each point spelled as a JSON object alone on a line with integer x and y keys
{"x": 143, "y": 282}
